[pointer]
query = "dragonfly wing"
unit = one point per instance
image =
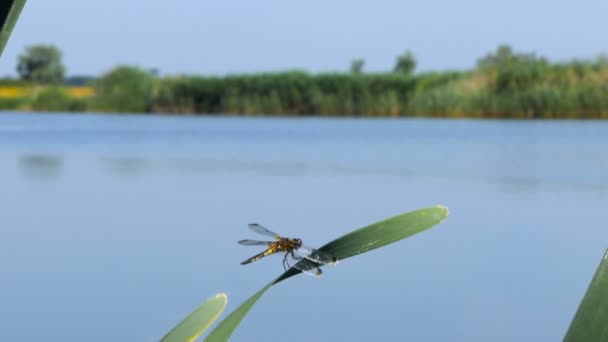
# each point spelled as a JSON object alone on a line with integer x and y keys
{"x": 307, "y": 266}
{"x": 254, "y": 243}
{"x": 261, "y": 230}
{"x": 316, "y": 255}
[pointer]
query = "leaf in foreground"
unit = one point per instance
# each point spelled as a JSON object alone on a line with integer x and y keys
{"x": 590, "y": 323}
{"x": 9, "y": 13}
{"x": 357, "y": 242}
{"x": 198, "y": 321}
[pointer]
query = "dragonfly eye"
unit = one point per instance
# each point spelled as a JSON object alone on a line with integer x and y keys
{"x": 299, "y": 242}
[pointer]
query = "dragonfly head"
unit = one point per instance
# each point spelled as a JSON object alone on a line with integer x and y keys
{"x": 298, "y": 243}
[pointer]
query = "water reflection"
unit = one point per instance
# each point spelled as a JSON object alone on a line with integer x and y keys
{"x": 35, "y": 166}
{"x": 526, "y": 180}
{"x": 127, "y": 167}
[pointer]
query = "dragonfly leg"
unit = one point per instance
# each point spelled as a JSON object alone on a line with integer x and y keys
{"x": 285, "y": 262}
{"x": 296, "y": 257}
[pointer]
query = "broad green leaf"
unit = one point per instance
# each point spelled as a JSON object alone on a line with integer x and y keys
{"x": 9, "y": 13}
{"x": 590, "y": 323}
{"x": 356, "y": 242}
{"x": 198, "y": 321}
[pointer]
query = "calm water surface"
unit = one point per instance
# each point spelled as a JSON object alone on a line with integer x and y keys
{"x": 115, "y": 227}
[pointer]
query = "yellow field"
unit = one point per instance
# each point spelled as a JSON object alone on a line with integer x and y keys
{"x": 80, "y": 92}
{"x": 23, "y": 91}
{"x": 12, "y": 91}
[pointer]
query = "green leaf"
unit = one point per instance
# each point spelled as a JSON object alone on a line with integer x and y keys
{"x": 380, "y": 234}
{"x": 9, "y": 13}
{"x": 356, "y": 242}
{"x": 198, "y": 321}
{"x": 226, "y": 327}
{"x": 590, "y": 323}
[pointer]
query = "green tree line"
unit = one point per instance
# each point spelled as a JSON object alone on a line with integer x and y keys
{"x": 505, "y": 84}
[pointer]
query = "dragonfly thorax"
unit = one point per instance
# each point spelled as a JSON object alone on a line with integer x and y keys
{"x": 288, "y": 245}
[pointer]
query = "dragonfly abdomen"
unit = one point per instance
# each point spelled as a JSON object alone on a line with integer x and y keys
{"x": 268, "y": 251}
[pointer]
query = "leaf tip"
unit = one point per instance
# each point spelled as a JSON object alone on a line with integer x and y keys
{"x": 223, "y": 296}
{"x": 447, "y": 212}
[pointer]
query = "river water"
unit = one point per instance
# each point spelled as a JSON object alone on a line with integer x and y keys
{"x": 113, "y": 228}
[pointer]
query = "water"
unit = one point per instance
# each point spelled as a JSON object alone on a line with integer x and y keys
{"x": 113, "y": 228}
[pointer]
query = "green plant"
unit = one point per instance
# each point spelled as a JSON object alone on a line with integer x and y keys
{"x": 405, "y": 64}
{"x": 13, "y": 103}
{"x": 9, "y": 13}
{"x": 196, "y": 323}
{"x": 356, "y": 66}
{"x": 41, "y": 64}
{"x": 590, "y": 324}
{"x": 52, "y": 99}
{"x": 124, "y": 89}
{"x": 357, "y": 242}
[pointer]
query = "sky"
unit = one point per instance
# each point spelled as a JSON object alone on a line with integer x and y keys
{"x": 229, "y": 36}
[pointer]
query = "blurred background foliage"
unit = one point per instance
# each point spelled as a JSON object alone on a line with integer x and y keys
{"x": 504, "y": 84}
{"x": 123, "y": 89}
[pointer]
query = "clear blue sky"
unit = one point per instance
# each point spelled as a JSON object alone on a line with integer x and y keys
{"x": 218, "y": 37}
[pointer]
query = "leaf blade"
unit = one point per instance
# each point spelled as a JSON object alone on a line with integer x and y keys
{"x": 380, "y": 234}
{"x": 9, "y": 13}
{"x": 197, "y": 322}
{"x": 224, "y": 330}
{"x": 589, "y": 322}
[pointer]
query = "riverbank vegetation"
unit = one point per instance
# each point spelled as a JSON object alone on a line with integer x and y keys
{"x": 504, "y": 84}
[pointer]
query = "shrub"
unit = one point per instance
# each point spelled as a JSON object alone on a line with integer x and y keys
{"x": 58, "y": 99}
{"x": 124, "y": 89}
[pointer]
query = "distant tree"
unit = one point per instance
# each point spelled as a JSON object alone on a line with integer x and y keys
{"x": 406, "y": 63}
{"x": 41, "y": 64}
{"x": 124, "y": 89}
{"x": 516, "y": 73}
{"x": 503, "y": 55}
{"x": 602, "y": 60}
{"x": 356, "y": 66}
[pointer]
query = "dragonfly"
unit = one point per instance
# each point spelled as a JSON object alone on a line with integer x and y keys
{"x": 304, "y": 258}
